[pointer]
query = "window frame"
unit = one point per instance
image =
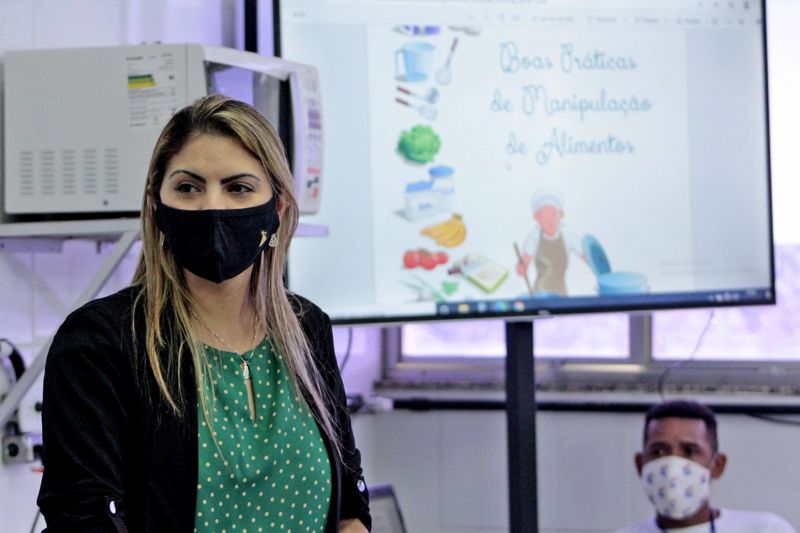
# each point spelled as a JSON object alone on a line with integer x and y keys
{"x": 638, "y": 372}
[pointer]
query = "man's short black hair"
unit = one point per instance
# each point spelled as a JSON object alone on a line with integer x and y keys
{"x": 684, "y": 409}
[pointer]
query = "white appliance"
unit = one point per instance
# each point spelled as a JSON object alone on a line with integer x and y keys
{"x": 81, "y": 123}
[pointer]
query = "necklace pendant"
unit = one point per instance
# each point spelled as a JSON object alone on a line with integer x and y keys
{"x": 248, "y": 383}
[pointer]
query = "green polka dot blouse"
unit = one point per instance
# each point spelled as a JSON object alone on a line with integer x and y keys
{"x": 271, "y": 475}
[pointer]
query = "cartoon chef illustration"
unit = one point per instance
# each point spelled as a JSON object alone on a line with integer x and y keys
{"x": 548, "y": 245}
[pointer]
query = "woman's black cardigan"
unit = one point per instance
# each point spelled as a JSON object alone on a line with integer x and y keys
{"x": 117, "y": 458}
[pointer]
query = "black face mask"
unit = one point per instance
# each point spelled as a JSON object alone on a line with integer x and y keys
{"x": 217, "y": 244}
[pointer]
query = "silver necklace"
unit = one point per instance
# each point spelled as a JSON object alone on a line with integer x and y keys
{"x": 244, "y": 363}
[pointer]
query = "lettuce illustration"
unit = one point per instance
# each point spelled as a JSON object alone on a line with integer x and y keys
{"x": 419, "y": 144}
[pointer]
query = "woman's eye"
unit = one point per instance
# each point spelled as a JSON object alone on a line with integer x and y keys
{"x": 239, "y": 188}
{"x": 186, "y": 188}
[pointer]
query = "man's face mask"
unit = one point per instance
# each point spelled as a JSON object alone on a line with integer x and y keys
{"x": 676, "y": 487}
{"x": 218, "y": 244}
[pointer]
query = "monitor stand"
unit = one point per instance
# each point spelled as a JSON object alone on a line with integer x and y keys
{"x": 521, "y": 422}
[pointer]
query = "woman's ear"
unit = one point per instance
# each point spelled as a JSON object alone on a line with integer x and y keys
{"x": 281, "y": 206}
{"x": 151, "y": 200}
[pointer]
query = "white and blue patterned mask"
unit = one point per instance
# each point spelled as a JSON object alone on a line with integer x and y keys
{"x": 676, "y": 487}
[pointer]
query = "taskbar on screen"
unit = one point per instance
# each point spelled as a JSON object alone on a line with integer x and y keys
{"x": 550, "y": 304}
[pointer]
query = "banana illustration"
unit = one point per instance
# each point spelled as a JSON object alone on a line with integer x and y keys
{"x": 449, "y": 233}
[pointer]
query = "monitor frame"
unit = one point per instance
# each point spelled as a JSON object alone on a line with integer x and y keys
{"x": 635, "y": 304}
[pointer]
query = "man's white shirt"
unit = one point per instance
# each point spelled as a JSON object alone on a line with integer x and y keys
{"x": 728, "y": 522}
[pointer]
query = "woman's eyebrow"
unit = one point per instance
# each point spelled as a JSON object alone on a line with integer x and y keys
{"x": 223, "y": 181}
{"x": 198, "y": 177}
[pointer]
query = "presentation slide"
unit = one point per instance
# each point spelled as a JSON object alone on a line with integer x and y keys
{"x": 537, "y": 157}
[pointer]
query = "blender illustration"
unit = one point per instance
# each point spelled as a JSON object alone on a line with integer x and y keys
{"x": 413, "y": 61}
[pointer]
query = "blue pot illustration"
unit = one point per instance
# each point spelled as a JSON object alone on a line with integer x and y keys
{"x": 608, "y": 281}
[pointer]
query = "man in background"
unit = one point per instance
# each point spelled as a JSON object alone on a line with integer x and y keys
{"x": 679, "y": 459}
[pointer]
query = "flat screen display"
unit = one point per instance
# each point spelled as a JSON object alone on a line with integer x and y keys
{"x": 493, "y": 159}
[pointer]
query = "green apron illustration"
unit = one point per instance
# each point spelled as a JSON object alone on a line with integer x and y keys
{"x": 551, "y": 265}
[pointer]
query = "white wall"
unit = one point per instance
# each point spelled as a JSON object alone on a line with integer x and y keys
{"x": 783, "y": 44}
{"x": 59, "y": 24}
{"x": 449, "y": 468}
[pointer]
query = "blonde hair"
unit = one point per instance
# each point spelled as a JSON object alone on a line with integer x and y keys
{"x": 163, "y": 293}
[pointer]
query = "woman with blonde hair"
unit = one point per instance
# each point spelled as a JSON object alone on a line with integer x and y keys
{"x": 205, "y": 396}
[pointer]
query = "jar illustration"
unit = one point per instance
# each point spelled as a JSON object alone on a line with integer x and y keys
{"x": 443, "y": 187}
{"x": 420, "y": 200}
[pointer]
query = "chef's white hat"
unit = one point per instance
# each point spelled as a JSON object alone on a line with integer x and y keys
{"x": 546, "y": 197}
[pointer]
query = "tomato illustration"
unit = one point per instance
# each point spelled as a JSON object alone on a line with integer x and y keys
{"x": 423, "y": 258}
{"x": 428, "y": 262}
{"x": 412, "y": 258}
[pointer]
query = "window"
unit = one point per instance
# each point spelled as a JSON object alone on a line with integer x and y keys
{"x": 591, "y": 336}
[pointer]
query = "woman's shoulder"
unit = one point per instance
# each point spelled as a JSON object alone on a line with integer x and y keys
{"x": 108, "y": 313}
{"x": 113, "y": 305}
{"x": 309, "y": 313}
{"x": 95, "y": 339}
{"x": 317, "y": 328}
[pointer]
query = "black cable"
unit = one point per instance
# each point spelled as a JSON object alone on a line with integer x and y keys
{"x": 251, "y": 25}
{"x": 663, "y": 376}
{"x": 17, "y": 363}
{"x": 36, "y": 519}
{"x": 774, "y": 419}
{"x": 347, "y": 350}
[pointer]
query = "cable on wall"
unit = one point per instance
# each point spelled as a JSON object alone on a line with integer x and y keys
{"x": 774, "y": 419}
{"x": 663, "y": 376}
{"x": 347, "y": 350}
{"x": 36, "y": 519}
